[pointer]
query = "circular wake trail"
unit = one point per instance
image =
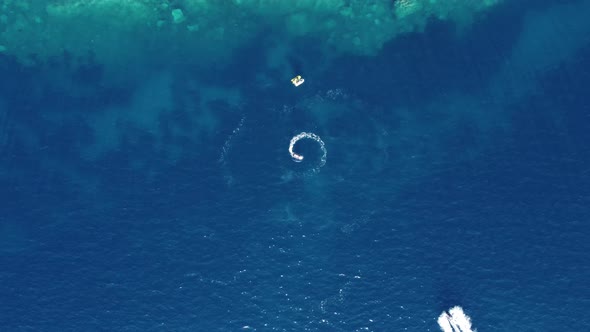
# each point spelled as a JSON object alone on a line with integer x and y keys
{"x": 297, "y": 157}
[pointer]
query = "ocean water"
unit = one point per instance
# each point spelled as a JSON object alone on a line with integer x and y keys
{"x": 456, "y": 174}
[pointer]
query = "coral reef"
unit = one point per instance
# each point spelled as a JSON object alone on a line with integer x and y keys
{"x": 118, "y": 32}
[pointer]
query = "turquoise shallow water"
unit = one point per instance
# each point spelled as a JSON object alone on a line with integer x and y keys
{"x": 456, "y": 174}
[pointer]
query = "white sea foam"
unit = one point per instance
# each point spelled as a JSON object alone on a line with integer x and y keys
{"x": 3, "y": 127}
{"x": 455, "y": 320}
{"x": 297, "y": 157}
{"x": 7, "y": 130}
{"x": 228, "y": 141}
{"x": 229, "y": 179}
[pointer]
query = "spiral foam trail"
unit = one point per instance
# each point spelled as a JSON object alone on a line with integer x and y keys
{"x": 297, "y": 157}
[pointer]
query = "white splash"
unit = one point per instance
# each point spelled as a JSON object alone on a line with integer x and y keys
{"x": 297, "y": 157}
{"x": 455, "y": 320}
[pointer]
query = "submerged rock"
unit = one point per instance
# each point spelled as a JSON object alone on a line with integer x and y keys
{"x": 178, "y": 16}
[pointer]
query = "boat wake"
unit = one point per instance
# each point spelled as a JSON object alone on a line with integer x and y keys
{"x": 299, "y": 158}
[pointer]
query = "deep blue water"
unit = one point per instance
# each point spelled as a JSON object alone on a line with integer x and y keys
{"x": 447, "y": 182}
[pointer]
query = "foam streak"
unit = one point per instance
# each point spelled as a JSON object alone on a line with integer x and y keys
{"x": 227, "y": 144}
